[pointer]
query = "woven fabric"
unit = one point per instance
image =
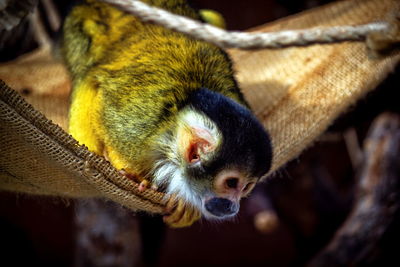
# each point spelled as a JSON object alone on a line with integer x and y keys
{"x": 296, "y": 93}
{"x": 38, "y": 157}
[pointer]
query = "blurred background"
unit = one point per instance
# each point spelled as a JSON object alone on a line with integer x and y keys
{"x": 287, "y": 221}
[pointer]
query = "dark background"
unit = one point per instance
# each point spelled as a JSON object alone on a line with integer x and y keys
{"x": 312, "y": 195}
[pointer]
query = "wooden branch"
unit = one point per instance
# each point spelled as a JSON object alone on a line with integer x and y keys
{"x": 353, "y": 147}
{"x": 377, "y": 199}
{"x": 107, "y": 235}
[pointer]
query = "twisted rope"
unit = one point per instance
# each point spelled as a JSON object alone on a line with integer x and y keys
{"x": 242, "y": 40}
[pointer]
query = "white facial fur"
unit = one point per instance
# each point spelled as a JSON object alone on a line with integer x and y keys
{"x": 168, "y": 171}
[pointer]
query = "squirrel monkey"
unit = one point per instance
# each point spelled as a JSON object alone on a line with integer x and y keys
{"x": 163, "y": 107}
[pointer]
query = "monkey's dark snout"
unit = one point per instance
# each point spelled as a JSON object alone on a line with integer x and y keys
{"x": 221, "y": 207}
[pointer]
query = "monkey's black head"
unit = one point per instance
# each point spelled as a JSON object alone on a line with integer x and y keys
{"x": 222, "y": 152}
{"x": 245, "y": 143}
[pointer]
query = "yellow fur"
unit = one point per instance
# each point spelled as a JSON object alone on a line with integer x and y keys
{"x": 212, "y": 17}
{"x": 131, "y": 78}
{"x": 83, "y": 128}
{"x": 110, "y": 52}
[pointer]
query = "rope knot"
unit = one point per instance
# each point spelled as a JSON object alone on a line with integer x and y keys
{"x": 382, "y": 43}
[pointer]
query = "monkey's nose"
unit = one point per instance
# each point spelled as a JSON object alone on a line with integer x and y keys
{"x": 221, "y": 207}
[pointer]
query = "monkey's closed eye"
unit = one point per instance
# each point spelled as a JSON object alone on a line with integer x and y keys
{"x": 248, "y": 187}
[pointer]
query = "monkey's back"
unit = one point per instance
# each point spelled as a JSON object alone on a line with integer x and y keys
{"x": 130, "y": 78}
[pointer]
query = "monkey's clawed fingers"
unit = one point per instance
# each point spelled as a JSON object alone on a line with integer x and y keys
{"x": 180, "y": 213}
{"x": 143, "y": 183}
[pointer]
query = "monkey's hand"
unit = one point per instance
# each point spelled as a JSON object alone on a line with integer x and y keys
{"x": 143, "y": 183}
{"x": 180, "y": 213}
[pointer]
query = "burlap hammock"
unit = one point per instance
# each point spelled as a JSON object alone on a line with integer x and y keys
{"x": 295, "y": 92}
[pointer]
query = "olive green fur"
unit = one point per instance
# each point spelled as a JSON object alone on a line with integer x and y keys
{"x": 142, "y": 74}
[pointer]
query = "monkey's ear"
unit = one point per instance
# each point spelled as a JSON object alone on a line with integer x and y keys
{"x": 195, "y": 143}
